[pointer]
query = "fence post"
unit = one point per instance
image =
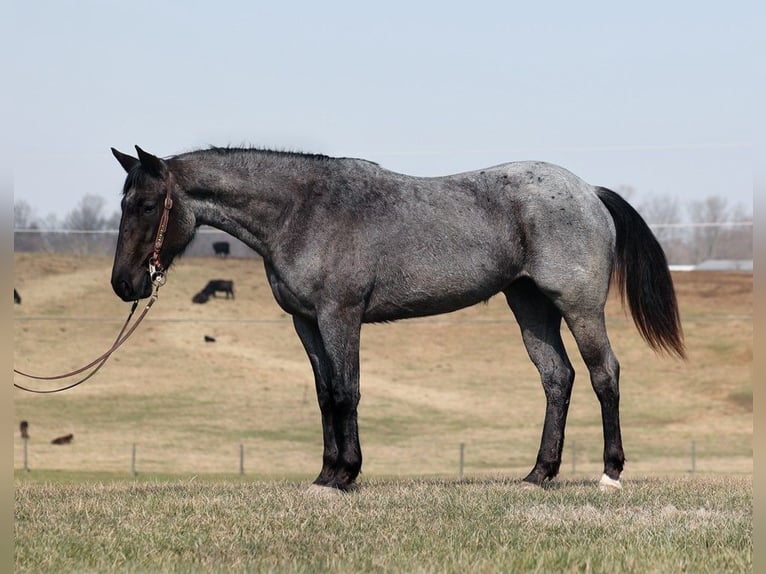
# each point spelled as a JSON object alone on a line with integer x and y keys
{"x": 462, "y": 459}
{"x": 26, "y": 459}
{"x": 241, "y": 459}
{"x": 694, "y": 458}
{"x": 133, "y": 461}
{"x": 574, "y": 457}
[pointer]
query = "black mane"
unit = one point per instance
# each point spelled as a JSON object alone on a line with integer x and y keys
{"x": 227, "y": 150}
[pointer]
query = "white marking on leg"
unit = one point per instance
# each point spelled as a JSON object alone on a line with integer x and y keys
{"x": 609, "y": 484}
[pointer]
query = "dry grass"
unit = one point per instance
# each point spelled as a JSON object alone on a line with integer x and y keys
{"x": 427, "y": 385}
{"x": 492, "y": 525}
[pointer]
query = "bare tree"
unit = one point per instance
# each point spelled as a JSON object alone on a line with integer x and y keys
{"x": 736, "y": 240}
{"x": 88, "y": 215}
{"x": 663, "y": 214}
{"x": 24, "y": 219}
{"x": 91, "y": 225}
{"x": 708, "y": 215}
{"x": 22, "y": 214}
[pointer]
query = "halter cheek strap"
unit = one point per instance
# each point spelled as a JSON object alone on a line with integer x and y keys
{"x": 156, "y": 269}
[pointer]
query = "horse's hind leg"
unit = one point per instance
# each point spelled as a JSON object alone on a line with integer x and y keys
{"x": 589, "y": 330}
{"x": 540, "y": 323}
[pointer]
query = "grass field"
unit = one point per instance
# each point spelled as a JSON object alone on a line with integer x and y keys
{"x": 491, "y": 525}
{"x": 427, "y": 385}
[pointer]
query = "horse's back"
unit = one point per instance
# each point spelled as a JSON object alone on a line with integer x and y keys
{"x": 458, "y": 240}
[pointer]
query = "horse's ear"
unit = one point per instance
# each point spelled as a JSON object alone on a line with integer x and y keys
{"x": 126, "y": 161}
{"x": 151, "y": 164}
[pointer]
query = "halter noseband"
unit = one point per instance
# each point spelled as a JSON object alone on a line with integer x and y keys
{"x": 156, "y": 269}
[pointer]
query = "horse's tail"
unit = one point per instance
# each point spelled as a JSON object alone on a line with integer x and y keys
{"x": 641, "y": 274}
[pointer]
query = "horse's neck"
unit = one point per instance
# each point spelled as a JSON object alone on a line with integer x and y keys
{"x": 244, "y": 199}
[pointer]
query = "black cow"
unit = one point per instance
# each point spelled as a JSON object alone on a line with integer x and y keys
{"x": 221, "y": 248}
{"x": 213, "y": 286}
{"x": 66, "y": 439}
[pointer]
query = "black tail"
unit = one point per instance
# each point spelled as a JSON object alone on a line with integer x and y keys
{"x": 641, "y": 273}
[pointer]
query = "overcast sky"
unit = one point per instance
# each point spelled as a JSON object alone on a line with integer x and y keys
{"x": 659, "y": 96}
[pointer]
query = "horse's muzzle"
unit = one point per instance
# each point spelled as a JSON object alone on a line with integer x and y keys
{"x": 130, "y": 288}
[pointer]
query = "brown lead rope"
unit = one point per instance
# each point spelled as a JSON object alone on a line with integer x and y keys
{"x": 97, "y": 363}
{"x": 157, "y": 275}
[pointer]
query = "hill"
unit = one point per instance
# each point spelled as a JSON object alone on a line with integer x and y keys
{"x": 428, "y": 385}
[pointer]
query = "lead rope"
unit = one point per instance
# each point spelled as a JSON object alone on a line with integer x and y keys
{"x": 157, "y": 275}
{"x": 98, "y": 362}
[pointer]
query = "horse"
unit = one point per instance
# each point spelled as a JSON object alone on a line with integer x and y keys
{"x": 346, "y": 242}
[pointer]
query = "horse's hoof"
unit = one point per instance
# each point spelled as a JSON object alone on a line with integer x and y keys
{"x": 324, "y": 491}
{"x": 526, "y": 485}
{"x": 607, "y": 484}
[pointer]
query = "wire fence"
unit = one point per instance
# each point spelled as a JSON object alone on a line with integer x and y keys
{"x": 460, "y": 461}
{"x": 684, "y": 243}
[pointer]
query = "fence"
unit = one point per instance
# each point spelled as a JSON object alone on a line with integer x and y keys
{"x": 684, "y": 243}
{"x": 462, "y": 462}
{"x": 104, "y": 242}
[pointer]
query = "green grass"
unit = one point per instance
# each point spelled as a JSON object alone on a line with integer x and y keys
{"x": 492, "y": 525}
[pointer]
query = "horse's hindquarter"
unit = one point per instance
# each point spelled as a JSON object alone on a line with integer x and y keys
{"x": 570, "y": 236}
{"x": 480, "y": 231}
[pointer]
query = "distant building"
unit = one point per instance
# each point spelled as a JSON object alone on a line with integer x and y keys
{"x": 745, "y": 265}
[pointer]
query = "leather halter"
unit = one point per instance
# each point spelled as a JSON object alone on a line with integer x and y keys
{"x": 157, "y": 275}
{"x": 156, "y": 269}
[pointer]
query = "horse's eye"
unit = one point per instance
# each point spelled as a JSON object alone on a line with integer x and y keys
{"x": 149, "y": 208}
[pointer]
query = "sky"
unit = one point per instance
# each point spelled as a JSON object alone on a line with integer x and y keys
{"x": 657, "y": 96}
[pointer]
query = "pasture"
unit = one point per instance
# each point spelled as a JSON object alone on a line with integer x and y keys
{"x": 188, "y": 405}
{"x": 407, "y": 525}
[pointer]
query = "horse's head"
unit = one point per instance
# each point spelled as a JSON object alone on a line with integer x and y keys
{"x": 143, "y": 203}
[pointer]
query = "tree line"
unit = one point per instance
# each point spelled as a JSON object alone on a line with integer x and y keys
{"x": 690, "y": 233}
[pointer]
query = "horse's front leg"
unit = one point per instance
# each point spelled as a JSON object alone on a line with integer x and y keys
{"x": 308, "y": 332}
{"x": 340, "y": 329}
{"x": 332, "y": 344}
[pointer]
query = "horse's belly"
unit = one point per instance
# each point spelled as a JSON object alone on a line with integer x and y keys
{"x": 431, "y": 294}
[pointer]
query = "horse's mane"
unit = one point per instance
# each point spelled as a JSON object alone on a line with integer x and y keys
{"x": 255, "y": 151}
{"x": 227, "y": 150}
{"x": 139, "y": 178}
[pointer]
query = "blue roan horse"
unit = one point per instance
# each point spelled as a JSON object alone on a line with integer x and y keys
{"x": 346, "y": 242}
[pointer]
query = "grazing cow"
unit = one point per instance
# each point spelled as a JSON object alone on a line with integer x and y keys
{"x": 66, "y": 439}
{"x": 221, "y": 248}
{"x": 16, "y": 296}
{"x": 200, "y": 297}
{"x": 213, "y": 286}
{"x": 209, "y": 339}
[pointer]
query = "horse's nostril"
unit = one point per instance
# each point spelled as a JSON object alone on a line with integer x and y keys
{"x": 126, "y": 290}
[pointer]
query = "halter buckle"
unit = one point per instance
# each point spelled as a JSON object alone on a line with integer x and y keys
{"x": 157, "y": 276}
